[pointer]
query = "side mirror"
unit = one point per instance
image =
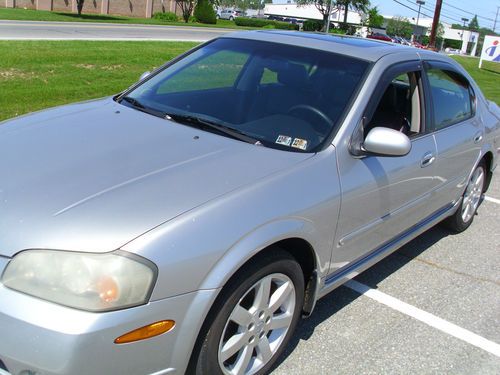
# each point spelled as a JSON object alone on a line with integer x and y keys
{"x": 386, "y": 142}
{"x": 144, "y": 75}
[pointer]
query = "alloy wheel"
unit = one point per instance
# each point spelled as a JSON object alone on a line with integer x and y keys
{"x": 257, "y": 325}
{"x": 472, "y": 195}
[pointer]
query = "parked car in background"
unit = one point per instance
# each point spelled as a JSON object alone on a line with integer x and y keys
{"x": 273, "y": 17}
{"x": 417, "y": 44}
{"x": 186, "y": 224}
{"x": 380, "y": 36}
{"x": 230, "y": 14}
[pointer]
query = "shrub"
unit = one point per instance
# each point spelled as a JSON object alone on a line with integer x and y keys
{"x": 204, "y": 12}
{"x": 251, "y": 22}
{"x": 167, "y": 16}
{"x": 285, "y": 25}
{"x": 312, "y": 25}
{"x": 337, "y": 31}
{"x": 258, "y": 22}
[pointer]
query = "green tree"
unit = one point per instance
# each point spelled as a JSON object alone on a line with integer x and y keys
{"x": 375, "y": 19}
{"x": 204, "y": 12}
{"x": 186, "y": 8}
{"x": 325, "y": 7}
{"x": 357, "y": 5}
{"x": 399, "y": 26}
{"x": 474, "y": 24}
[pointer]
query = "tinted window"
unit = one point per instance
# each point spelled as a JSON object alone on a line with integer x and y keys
{"x": 285, "y": 96}
{"x": 400, "y": 107}
{"x": 451, "y": 97}
{"x": 207, "y": 75}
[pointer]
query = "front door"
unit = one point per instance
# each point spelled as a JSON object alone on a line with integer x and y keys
{"x": 382, "y": 197}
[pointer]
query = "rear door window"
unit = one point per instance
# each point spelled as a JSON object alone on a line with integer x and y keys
{"x": 452, "y": 97}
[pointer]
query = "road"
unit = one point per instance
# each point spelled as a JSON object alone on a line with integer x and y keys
{"x": 37, "y": 30}
{"x": 432, "y": 307}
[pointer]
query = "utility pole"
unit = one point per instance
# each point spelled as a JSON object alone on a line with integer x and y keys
{"x": 495, "y": 24}
{"x": 435, "y": 23}
{"x": 463, "y": 27}
{"x": 420, "y": 3}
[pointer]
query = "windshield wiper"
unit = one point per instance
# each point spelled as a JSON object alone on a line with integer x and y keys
{"x": 141, "y": 107}
{"x": 200, "y": 122}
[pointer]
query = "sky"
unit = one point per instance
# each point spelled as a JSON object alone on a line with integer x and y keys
{"x": 452, "y": 11}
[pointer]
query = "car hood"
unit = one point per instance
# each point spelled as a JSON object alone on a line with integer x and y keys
{"x": 95, "y": 175}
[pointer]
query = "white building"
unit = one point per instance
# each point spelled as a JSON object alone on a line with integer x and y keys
{"x": 288, "y": 8}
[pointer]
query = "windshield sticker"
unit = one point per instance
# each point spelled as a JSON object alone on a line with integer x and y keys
{"x": 299, "y": 143}
{"x": 284, "y": 140}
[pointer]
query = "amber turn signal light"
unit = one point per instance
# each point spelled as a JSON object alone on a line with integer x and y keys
{"x": 151, "y": 330}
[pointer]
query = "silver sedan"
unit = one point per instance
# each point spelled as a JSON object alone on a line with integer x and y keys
{"x": 186, "y": 224}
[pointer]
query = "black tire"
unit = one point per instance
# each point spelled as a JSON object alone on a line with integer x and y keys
{"x": 231, "y": 18}
{"x": 206, "y": 360}
{"x": 456, "y": 222}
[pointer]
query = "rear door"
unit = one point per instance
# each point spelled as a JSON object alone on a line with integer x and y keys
{"x": 456, "y": 127}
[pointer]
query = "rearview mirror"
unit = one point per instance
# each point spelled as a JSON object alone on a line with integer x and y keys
{"x": 144, "y": 75}
{"x": 386, "y": 142}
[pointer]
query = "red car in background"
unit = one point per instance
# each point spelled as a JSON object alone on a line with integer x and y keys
{"x": 380, "y": 36}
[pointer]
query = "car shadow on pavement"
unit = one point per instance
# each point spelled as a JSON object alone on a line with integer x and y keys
{"x": 343, "y": 296}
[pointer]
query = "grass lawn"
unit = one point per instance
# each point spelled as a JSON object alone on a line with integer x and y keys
{"x": 40, "y": 74}
{"x": 41, "y": 15}
{"x": 488, "y": 77}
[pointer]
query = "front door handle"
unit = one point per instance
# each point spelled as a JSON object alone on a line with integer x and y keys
{"x": 478, "y": 137}
{"x": 427, "y": 160}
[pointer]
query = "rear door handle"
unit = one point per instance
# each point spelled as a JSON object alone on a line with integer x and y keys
{"x": 478, "y": 137}
{"x": 427, "y": 160}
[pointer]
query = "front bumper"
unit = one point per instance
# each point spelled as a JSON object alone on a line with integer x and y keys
{"x": 48, "y": 339}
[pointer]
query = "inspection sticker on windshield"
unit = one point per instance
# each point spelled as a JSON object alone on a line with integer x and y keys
{"x": 299, "y": 143}
{"x": 284, "y": 140}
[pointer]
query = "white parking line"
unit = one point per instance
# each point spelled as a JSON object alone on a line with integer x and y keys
{"x": 490, "y": 199}
{"x": 425, "y": 317}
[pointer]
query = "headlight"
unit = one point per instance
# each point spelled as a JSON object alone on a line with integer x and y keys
{"x": 86, "y": 281}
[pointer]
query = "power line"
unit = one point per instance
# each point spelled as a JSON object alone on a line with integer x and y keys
{"x": 448, "y": 14}
{"x": 466, "y": 11}
{"x": 429, "y": 9}
{"x": 406, "y": 6}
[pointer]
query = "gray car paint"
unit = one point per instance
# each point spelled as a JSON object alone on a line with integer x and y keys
{"x": 68, "y": 188}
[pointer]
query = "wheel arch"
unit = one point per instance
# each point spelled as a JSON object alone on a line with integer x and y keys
{"x": 300, "y": 249}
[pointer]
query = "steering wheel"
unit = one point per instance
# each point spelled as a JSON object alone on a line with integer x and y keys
{"x": 326, "y": 123}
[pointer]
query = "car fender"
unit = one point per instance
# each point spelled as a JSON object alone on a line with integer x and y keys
{"x": 258, "y": 240}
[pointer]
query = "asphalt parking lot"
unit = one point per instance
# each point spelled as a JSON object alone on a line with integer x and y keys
{"x": 454, "y": 277}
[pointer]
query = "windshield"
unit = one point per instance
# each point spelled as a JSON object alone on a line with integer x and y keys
{"x": 284, "y": 96}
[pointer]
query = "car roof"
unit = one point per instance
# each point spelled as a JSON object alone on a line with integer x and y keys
{"x": 362, "y": 48}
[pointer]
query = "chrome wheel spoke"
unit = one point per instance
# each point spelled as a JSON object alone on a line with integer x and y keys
{"x": 263, "y": 292}
{"x": 264, "y": 350}
{"x": 243, "y": 361}
{"x": 240, "y": 316}
{"x": 233, "y": 345}
{"x": 279, "y": 296}
{"x": 281, "y": 321}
